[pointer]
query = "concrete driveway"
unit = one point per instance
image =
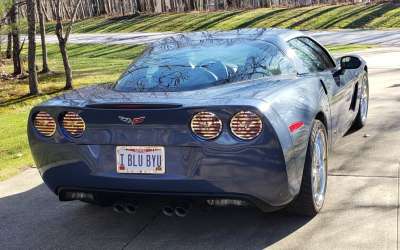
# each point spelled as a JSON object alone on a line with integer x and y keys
{"x": 377, "y": 37}
{"x": 389, "y": 37}
{"x": 361, "y": 210}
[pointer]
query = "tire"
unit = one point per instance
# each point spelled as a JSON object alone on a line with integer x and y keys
{"x": 310, "y": 199}
{"x": 362, "y": 114}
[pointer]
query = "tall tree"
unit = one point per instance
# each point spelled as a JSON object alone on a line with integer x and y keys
{"x": 31, "y": 15}
{"x": 9, "y": 45}
{"x": 16, "y": 38}
{"x": 42, "y": 31}
{"x": 64, "y": 36}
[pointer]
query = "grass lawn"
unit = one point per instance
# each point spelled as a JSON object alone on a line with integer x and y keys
{"x": 375, "y": 16}
{"x": 91, "y": 64}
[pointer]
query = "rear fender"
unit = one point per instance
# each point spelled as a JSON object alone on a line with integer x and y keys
{"x": 300, "y": 103}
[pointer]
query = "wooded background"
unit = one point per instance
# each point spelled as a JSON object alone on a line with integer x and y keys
{"x": 93, "y": 8}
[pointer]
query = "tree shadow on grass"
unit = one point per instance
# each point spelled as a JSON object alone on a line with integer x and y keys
{"x": 91, "y": 51}
{"x": 125, "y": 18}
{"x": 50, "y": 90}
{"x": 28, "y": 97}
{"x": 154, "y": 23}
{"x": 214, "y": 22}
{"x": 114, "y": 21}
{"x": 292, "y": 17}
{"x": 320, "y": 13}
{"x": 343, "y": 17}
{"x": 258, "y": 19}
{"x": 368, "y": 17}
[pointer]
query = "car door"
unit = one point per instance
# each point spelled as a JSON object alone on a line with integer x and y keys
{"x": 320, "y": 64}
{"x": 348, "y": 80}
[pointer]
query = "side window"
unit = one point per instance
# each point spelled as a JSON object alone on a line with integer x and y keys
{"x": 322, "y": 55}
{"x": 282, "y": 65}
{"x": 261, "y": 63}
{"x": 311, "y": 54}
{"x": 275, "y": 63}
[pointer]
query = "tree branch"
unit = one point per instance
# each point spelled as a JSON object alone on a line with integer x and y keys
{"x": 3, "y": 20}
{"x": 22, "y": 46}
{"x": 69, "y": 27}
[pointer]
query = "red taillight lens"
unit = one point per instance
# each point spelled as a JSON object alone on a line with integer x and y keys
{"x": 206, "y": 125}
{"x": 246, "y": 125}
{"x": 73, "y": 124}
{"x": 44, "y": 124}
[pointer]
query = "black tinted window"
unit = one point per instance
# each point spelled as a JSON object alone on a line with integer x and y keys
{"x": 202, "y": 64}
{"x": 311, "y": 54}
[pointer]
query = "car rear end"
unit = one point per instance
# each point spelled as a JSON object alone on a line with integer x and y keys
{"x": 209, "y": 151}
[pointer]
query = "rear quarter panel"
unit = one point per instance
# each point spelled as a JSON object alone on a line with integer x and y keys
{"x": 300, "y": 100}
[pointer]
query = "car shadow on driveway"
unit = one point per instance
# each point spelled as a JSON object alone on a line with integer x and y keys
{"x": 36, "y": 219}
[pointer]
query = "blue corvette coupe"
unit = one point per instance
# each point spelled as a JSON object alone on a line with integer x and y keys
{"x": 243, "y": 117}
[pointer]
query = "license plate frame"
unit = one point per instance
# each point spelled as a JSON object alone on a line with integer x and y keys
{"x": 138, "y": 161}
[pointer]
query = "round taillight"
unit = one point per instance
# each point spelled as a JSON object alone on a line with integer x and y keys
{"x": 73, "y": 124}
{"x": 44, "y": 124}
{"x": 206, "y": 125}
{"x": 246, "y": 125}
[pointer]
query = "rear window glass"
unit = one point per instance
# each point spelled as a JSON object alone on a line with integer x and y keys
{"x": 203, "y": 64}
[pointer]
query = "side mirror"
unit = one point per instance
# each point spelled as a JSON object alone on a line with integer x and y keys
{"x": 349, "y": 62}
{"x": 346, "y": 62}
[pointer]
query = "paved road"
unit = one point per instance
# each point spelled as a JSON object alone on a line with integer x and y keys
{"x": 377, "y": 37}
{"x": 361, "y": 211}
{"x": 348, "y": 36}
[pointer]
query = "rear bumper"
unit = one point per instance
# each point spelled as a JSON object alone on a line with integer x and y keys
{"x": 257, "y": 174}
{"x": 109, "y": 197}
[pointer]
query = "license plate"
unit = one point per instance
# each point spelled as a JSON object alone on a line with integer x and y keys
{"x": 140, "y": 160}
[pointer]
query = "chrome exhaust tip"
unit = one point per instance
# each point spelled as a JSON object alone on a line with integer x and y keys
{"x": 168, "y": 211}
{"x": 118, "y": 208}
{"x": 181, "y": 212}
{"x": 130, "y": 208}
{"x": 182, "y": 209}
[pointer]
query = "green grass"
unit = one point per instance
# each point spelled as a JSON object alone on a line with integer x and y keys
{"x": 376, "y": 16}
{"x": 339, "y": 49}
{"x": 91, "y": 64}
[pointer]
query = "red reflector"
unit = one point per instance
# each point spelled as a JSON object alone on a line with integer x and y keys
{"x": 295, "y": 126}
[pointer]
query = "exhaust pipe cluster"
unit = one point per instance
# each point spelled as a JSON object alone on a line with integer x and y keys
{"x": 125, "y": 207}
{"x": 71, "y": 195}
{"x": 168, "y": 210}
{"x": 180, "y": 210}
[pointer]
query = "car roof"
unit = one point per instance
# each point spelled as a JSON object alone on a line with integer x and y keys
{"x": 278, "y": 37}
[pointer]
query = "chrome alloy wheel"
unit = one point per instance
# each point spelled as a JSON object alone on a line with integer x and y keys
{"x": 319, "y": 169}
{"x": 364, "y": 99}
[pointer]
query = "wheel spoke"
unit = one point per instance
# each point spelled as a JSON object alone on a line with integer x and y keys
{"x": 318, "y": 171}
{"x": 364, "y": 99}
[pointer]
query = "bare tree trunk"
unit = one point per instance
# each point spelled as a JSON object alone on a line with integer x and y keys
{"x": 63, "y": 38}
{"x": 33, "y": 81}
{"x": 67, "y": 66}
{"x": 16, "y": 39}
{"x": 92, "y": 8}
{"x": 122, "y": 5}
{"x": 42, "y": 30}
{"x": 9, "y": 46}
